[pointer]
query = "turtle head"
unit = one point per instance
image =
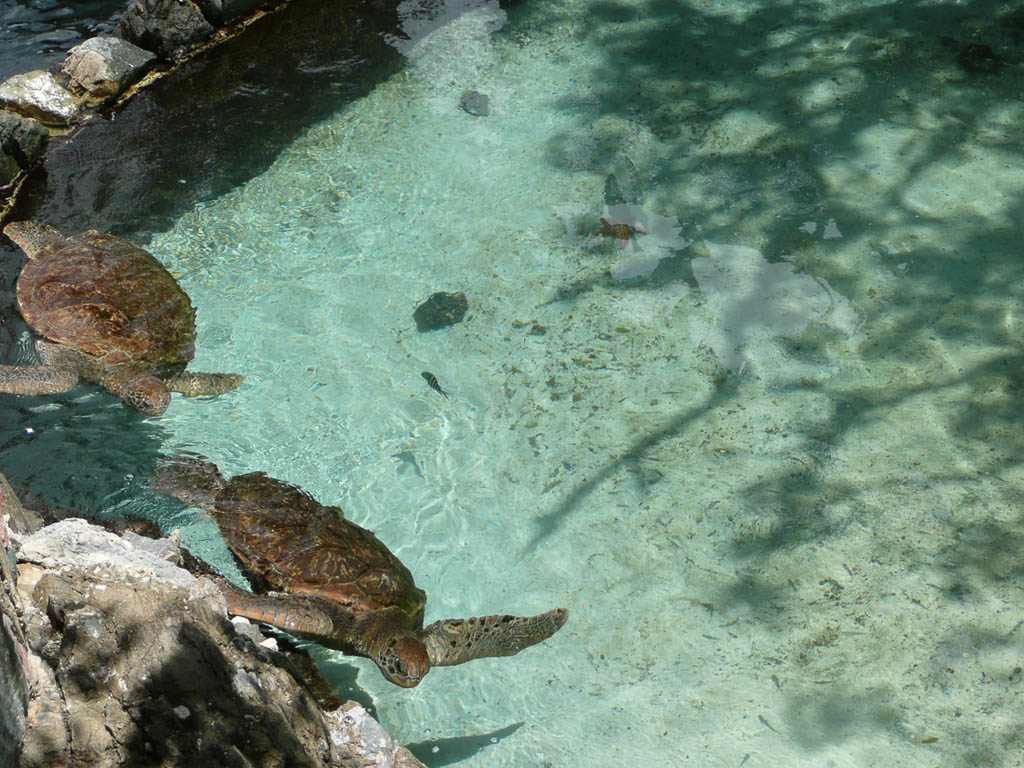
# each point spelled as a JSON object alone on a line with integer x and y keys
{"x": 138, "y": 389}
{"x": 403, "y": 661}
{"x": 146, "y": 394}
{"x": 31, "y": 236}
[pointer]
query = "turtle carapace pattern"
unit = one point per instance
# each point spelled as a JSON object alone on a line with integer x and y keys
{"x": 324, "y": 578}
{"x": 106, "y": 311}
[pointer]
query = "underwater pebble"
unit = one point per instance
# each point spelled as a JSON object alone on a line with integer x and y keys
{"x": 440, "y": 310}
{"x": 475, "y": 103}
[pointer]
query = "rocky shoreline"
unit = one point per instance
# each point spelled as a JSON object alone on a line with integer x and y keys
{"x": 115, "y": 653}
{"x": 152, "y": 38}
{"x": 89, "y": 678}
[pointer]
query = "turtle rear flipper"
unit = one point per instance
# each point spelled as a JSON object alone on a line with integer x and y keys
{"x": 36, "y": 379}
{"x": 195, "y": 383}
{"x": 455, "y": 641}
{"x": 32, "y": 236}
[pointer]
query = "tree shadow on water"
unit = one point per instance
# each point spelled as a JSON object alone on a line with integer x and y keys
{"x": 901, "y": 122}
{"x": 549, "y": 523}
{"x": 895, "y": 64}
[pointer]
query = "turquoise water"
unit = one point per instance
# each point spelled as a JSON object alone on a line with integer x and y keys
{"x": 766, "y": 448}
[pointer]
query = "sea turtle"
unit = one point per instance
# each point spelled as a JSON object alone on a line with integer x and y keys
{"x": 344, "y": 589}
{"x": 106, "y": 311}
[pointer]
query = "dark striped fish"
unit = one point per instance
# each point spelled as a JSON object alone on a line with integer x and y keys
{"x": 432, "y": 381}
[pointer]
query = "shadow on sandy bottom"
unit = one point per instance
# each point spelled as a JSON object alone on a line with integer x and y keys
{"x": 216, "y": 122}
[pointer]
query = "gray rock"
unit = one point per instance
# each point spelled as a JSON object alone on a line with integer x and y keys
{"x": 246, "y": 628}
{"x": 20, "y": 520}
{"x": 38, "y": 95}
{"x": 75, "y": 543}
{"x": 440, "y": 310}
{"x": 14, "y": 670}
{"x": 105, "y": 67}
{"x": 9, "y": 169}
{"x": 356, "y": 732}
{"x": 223, "y": 11}
{"x": 21, "y": 143}
{"x": 168, "y": 28}
{"x": 134, "y": 664}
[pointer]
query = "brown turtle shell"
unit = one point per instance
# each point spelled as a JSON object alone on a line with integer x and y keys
{"x": 108, "y": 299}
{"x": 295, "y": 544}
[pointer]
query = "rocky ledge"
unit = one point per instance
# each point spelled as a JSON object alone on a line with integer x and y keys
{"x": 114, "y": 654}
{"x": 151, "y": 37}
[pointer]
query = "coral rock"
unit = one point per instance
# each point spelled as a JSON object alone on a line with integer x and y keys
{"x": 135, "y": 663}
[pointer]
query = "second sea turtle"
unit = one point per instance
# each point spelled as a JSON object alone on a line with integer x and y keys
{"x": 106, "y": 311}
{"x": 326, "y": 579}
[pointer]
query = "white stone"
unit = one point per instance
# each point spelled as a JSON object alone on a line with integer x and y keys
{"x": 75, "y": 543}
{"x": 37, "y": 94}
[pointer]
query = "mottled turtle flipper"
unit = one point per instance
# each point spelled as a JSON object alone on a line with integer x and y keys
{"x": 195, "y": 383}
{"x": 36, "y": 379}
{"x": 300, "y": 616}
{"x": 454, "y": 641}
{"x": 32, "y": 237}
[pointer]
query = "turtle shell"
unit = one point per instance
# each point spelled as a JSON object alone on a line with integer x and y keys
{"x": 108, "y": 299}
{"x": 285, "y": 537}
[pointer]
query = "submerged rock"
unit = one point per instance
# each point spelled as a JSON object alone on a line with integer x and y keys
{"x": 104, "y": 67}
{"x": 980, "y": 58}
{"x": 440, "y": 310}
{"x": 38, "y": 95}
{"x": 475, "y": 103}
{"x": 224, "y": 11}
{"x": 21, "y": 143}
{"x": 168, "y": 28}
{"x": 134, "y": 662}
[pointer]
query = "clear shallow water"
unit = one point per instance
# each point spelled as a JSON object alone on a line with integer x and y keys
{"x": 767, "y": 453}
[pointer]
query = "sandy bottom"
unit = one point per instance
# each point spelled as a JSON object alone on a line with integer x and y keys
{"x": 759, "y": 431}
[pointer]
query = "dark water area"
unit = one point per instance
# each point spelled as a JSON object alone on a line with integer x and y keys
{"x": 214, "y": 123}
{"x": 35, "y": 34}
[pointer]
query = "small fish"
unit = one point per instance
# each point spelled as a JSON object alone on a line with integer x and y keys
{"x": 409, "y": 458}
{"x": 432, "y": 381}
{"x": 622, "y": 230}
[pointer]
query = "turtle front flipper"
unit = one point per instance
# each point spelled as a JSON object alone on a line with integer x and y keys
{"x": 454, "y": 641}
{"x": 36, "y": 379}
{"x": 292, "y": 614}
{"x": 195, "y": 383}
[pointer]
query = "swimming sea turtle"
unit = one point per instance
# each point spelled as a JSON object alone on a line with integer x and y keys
{"x": 345, "y": 590}
{"x": 106, "y": 311}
